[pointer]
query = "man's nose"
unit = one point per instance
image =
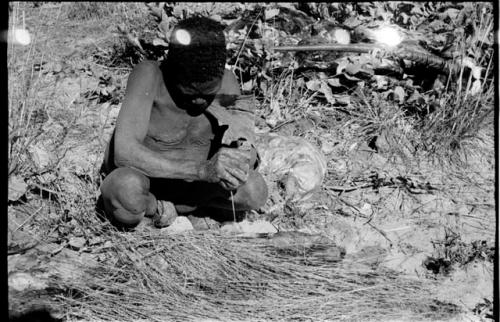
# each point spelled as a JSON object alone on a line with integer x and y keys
{"x": 199, "y": 101}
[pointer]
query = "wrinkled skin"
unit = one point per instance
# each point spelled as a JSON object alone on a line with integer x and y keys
{"x": 166, "y": 147}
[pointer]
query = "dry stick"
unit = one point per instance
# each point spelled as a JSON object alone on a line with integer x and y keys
{"x": 347, "y": 189}
{"x": 424, "y": 58}
{"x": 244, "y": 41}
{"x": 27, "y": 219}
{"x": 380, "y": 231}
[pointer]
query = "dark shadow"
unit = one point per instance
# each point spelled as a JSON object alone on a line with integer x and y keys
{"x": 35, "y": 315}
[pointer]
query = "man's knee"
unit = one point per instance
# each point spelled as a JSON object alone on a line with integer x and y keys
{"x": 125, "y": 194}
{"x": 253, "y": 194}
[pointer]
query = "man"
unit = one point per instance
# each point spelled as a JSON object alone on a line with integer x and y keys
{"x": 166, "y": 155}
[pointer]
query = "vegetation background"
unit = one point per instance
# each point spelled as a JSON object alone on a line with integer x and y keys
{"x": 408, "y": 195}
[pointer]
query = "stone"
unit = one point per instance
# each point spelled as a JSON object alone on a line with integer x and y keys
{"x": 179, "y": 225}
{"x": 76, "y": 243}
{"x": 20, "y": 281}
{"x": 203, "y": 223}
{"x": 247, "y": 228}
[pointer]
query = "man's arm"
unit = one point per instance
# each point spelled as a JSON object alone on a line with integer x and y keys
{"x": 132, "y": 127}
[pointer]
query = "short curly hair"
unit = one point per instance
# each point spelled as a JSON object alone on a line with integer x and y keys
{"x": 200, "y": 58}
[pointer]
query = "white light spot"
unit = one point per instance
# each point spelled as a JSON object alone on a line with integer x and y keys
{"x": 183, "y": 37}
{"x": 342, "y": 36}
{"x": 388, "y": 36}
{"x": 21, "y": 36}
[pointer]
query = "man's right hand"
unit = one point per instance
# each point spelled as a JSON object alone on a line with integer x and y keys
{"x": 229, "y": 167}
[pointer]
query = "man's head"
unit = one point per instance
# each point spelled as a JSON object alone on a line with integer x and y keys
{"x": 195, "y": 63}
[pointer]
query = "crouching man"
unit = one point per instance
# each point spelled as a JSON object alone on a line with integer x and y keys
{"x": 166, "y": 154}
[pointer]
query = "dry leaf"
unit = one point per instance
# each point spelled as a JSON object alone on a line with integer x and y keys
{"x": 271, "y": 13}
{"x": 335, "y": 82}
{"x": 352, "y": 69}
{"x": 247, "y": 86}
{"x": 40, "y": 156}
{"x": 313, "y": 85}
{"x": 17, "y": 188}
{"x": 159, "y": 42}
{"x": 399, "y": 94}
{"x": 327, "y": 91}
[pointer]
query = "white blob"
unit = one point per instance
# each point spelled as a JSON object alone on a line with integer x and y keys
{"x": 21, "y": 36}
{"x": 183, "y": 37}
{"x": 388, "y": 36}
{"x": 342, "y": 36}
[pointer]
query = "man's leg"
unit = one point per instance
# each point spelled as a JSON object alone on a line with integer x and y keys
{"x": 126, "y": 197}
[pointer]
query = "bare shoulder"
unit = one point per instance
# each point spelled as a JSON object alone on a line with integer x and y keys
{"x": 144, "y": 79}
{"x": 230, "y": 85}
{"x": 147, "y": 68}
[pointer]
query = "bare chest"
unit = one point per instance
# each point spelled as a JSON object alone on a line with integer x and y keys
{"x": 169, "y": 130}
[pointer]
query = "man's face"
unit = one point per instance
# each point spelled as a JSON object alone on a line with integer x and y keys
{"x": 196, "y": 97}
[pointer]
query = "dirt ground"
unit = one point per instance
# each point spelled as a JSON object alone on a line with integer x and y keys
{"x": 423, "y": 212}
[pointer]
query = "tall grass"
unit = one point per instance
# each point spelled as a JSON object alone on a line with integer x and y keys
{"x": 458, "y": 122}
{"x": 23, "y": 75}
{"x": 463, "y": 115}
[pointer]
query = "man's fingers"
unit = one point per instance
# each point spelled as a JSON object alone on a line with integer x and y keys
{"x": 238, "y": 174}
{"x": 236, "y": 154}
{"x": 227, "y": 162}
{"x": 228, "y": 181}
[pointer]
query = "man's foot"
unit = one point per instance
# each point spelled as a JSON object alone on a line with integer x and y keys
{"x": 165, "y": 214}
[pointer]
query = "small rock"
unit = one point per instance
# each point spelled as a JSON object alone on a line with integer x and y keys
{"x": 76, "y": 242}
{"x": 23, "y": 281}
{"x": 248, "y": 228}
{"x": 17, "y": 188}
{"x": 180, "y": 224}
{"x": 203, "y": 223}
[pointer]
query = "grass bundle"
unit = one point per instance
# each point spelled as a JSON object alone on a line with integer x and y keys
{"x": 209, "y": 276}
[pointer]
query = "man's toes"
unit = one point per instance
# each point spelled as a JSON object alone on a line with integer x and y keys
{"x": 165, "y": 214}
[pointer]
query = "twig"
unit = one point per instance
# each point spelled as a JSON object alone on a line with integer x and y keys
{"x": 381, "y": 232}
{"x": 347, "y": 189}
{"x": 281, "y": 125}
{"x": 23, "y": 250}
{"x": 27, "y": 219}
{"x": 353, "y": 207}
{"x": 246, "y": 36}
{"x": 49, "y": 190}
